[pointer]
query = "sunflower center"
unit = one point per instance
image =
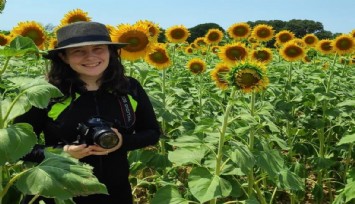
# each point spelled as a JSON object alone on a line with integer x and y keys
{"x": 196, "y": 68}
{"x": 262, "y": 55}
{"x": 263, "y": 33}
{"x": 236, "y": 53}
{"x": 247, "y": 80}
{"x": 240, "y": 31}
{"x": 310, "y": 40}
{"x": 293, "y": 51}
{"x": 137, "y": 41}
{"x": 343, "y": 44}
{"x": 177, "y": 34}
{"x": 285, "y": 38}
{"x": 326, "y": 46}
{"x": 213, "y": 36}
{"x": 159, "y": 57}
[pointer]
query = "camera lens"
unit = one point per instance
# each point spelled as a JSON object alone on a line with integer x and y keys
{"x": 107, "y": 140}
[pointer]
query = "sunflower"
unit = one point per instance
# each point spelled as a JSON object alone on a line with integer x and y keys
{"x": 352, "y": 33}
{"x": 177, "y": 34}
{"x": 154, "y": 29}
{"x": 4, "y": 40}
{"x": 239, "y": 31}
{"x": 263, "y": 55}
{"x": 306, "y": 59}
{"x": 32, "y": 30}
{"x": 200, "y": 42}
{"x": 343, "y": 44}
{"x": 52, "y": 43}
{"x": 325, "y": 46}
{"x": 231, "y": 53}
{"x": 138, "y": 38}
{"x": 219, "y": 75}
{"x": 74, "y": 16}
{"x": 196, "y": 66}
{"x": 189, "y": 50}
{"x": 284, "y": 36}
{"x": 110, "y": 28}
{"x": 215, "y": 49}
{"x": 263, "y": 32}
{"x": 214, "y": 36}
{"x": 310, "y": 40}
{"x": 291, "y": 51}
{"x": 158, "y": 56}
{"x": 299, "y": 42}
{"x": 249, "y": 76}
{"x": 352, "y": 60}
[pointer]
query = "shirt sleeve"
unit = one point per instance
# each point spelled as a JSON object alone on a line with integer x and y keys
{"x": 147, "y": 130}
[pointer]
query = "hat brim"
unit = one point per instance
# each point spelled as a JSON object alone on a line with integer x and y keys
{"x": 53, "y": 53}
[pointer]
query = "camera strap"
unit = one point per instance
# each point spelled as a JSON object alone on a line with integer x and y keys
{"x": 128, "y": 115}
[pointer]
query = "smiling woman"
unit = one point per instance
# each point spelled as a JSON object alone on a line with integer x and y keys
{"x": 86, "y": 67}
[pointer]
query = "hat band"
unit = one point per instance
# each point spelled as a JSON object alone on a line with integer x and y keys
{"x": 89, "y": 38}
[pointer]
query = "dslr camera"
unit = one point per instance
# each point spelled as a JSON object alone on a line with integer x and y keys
{"x": 97, "y": 131}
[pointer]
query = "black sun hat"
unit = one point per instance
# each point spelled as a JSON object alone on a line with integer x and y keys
{"x": 80, "y": 34}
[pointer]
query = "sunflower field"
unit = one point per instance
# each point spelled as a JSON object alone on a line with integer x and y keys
{"x": 241, "y": 122}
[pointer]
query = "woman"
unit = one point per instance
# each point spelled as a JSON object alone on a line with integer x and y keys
{"x": 103, "y": 113}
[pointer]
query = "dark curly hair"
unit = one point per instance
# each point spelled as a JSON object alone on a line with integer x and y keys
{"x": 68, "y": 82}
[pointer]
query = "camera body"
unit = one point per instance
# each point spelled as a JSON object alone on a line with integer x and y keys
{"x": 97, "y": 131}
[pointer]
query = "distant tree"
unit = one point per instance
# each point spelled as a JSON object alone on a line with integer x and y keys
{"x": 325, "y": 35}
{"x": 302, "y": 27}
{"x": 201, "y": 30}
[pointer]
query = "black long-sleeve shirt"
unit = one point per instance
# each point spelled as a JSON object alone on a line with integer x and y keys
{"x": 112, "y": 169}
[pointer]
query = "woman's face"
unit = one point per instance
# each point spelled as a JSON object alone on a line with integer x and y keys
{"x": 88, "y": 61}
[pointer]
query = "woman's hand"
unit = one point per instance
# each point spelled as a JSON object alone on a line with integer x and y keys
{"x": 78, "y": 151}
{"x": 81, "y": 151}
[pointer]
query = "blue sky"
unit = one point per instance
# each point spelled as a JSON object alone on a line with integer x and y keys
{"x": 335, "y": 15}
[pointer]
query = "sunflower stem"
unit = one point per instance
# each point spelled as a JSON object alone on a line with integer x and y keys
{"x": 162, "y": 142}
{"x": 200, "y": 94}
{"x": 5, "y": 66}
{"x": 223, "y": 132}
{"x": 251, "y": 146}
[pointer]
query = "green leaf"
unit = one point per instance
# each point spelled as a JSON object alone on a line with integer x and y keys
{"x": 19, "y": 46}
{"x": 346, "y": 103}
{"x": 187, "y": 156}
{"x": 205, "y": 186}
{"x": 38, "y": 90}
{"x": 289, "y": 181}
{"x": 60, "y": 177}
{"x": 15, "y": 142}
{"x": 346, "y": 195}
{"x": 271, "y": 162}
{"x": 168, "y": 194}
{"x": 20, "y": 107}
{"x": 243, "y": 157}
{"x": 347, "y": 139}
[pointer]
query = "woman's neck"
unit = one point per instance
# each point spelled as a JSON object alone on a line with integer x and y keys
{"x": 91, "y": 84}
